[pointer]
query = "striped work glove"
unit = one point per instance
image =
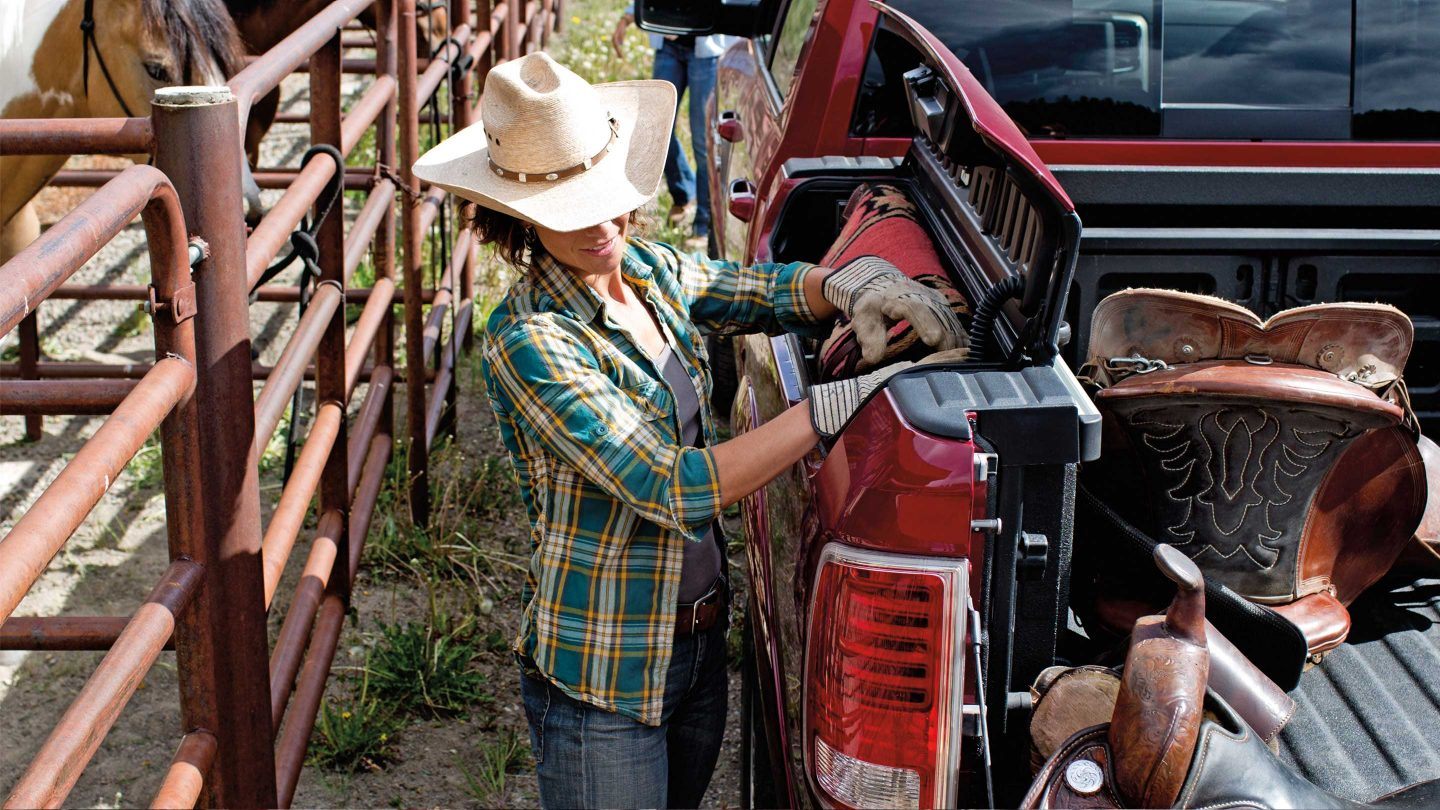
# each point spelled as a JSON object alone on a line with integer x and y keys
{"x": 874, "y": 294}
{"x": 832, "y": 404}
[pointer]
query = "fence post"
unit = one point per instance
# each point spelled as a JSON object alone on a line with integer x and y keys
{"x": 222, "y": 649}
{"x": 384, "y": 250}
{"x": 419, "y": 453}
{"x": 513, "y": 16}
{"x": 330, "y": 384}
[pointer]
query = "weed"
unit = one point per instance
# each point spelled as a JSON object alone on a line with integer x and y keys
{"x": 355, "y": 733}
{"x": 148, "y": 465}
{"x": 506, "y": 755}
{"x": 426, "y": 668}
{"x": 136, "y": 323}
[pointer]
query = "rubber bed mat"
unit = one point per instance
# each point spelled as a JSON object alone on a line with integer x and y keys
{"x": 1368, "y": 716}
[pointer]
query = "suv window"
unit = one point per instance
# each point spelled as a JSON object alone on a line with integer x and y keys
{"x": 789, "y": 42}
{"x": 1304, "y": 69}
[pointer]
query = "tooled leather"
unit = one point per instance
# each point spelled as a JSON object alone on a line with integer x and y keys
{"x": 1427, "y": 534}
{"x": 1157, "y": 714}
{"x": 1231, "y": 482}
{"x": 1050, "y": 789}
{"x": 1365, "y": 343}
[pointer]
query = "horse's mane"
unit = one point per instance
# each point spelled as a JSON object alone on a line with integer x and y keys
{"x": 195, "y": 29}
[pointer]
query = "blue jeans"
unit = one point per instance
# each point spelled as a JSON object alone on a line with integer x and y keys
{"x": 588, "y": 757}
{"x": 678, "y": 64}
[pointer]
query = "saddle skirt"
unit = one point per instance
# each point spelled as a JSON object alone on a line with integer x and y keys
{"x": 1261, "y": 449}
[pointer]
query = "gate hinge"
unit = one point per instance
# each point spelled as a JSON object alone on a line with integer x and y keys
{"x": 180, "y": 307}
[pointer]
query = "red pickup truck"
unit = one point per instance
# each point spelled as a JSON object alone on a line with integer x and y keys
{"x": 911, "y": 581}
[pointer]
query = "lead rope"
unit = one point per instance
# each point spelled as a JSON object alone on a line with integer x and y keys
{"x": 88, "y": 41}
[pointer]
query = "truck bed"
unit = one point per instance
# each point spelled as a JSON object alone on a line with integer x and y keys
{"x": 1368, "y": 716}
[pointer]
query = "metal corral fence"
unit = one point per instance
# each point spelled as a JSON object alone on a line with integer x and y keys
{"x": 247, "y": 710}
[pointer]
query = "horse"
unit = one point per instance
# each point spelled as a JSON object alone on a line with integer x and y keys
{"x": 264, "y": 23}
{"x": 84, "y": 59}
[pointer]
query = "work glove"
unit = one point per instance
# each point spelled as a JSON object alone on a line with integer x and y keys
{"x": 833, "y": 404}
{"x": 874, "y": 294}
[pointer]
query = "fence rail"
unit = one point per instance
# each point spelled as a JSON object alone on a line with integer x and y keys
{"x": 247, "y": 709}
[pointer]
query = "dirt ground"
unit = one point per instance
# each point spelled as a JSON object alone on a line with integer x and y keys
{"x": 112, "y": 562}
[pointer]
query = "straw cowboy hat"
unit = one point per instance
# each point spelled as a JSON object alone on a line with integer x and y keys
{"x": 555, "y": 151}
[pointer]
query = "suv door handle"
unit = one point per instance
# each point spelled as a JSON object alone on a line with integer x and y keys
{"x": 729, "y": 127}
{"x": 742, "y": 200}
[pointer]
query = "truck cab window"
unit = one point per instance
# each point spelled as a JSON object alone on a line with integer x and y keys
{"x": 1251, "y": 69}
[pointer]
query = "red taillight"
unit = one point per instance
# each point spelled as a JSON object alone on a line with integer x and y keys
{"x": 884, "y": 673}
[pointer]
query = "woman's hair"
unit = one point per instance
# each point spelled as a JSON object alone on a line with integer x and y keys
{"x": 515, "y": 240}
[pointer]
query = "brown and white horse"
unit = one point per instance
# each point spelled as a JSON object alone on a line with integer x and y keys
{"x": 89, "y": 58}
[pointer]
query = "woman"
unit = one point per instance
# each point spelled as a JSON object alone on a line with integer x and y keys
{"x": 595, "y": 369}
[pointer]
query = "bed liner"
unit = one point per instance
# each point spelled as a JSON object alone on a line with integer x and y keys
{"x": 1368, "y": 716}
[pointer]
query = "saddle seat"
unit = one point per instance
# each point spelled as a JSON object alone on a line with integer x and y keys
{"x": 1277, "y": 454}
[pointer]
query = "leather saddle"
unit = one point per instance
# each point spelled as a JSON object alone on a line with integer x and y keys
{"x": 1279, "y": 455}
{"x": 1170, "y": 741}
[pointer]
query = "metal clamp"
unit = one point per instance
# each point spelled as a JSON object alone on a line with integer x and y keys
{"x": 181, "y": 306}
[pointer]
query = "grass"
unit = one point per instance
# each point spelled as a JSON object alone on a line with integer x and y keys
{"x": 354, "y": 733}
{"x": 425, "y": 668}
{"x": 505, "y": 755}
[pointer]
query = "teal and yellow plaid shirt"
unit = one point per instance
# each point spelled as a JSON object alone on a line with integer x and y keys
{"x": 610, "y": 492}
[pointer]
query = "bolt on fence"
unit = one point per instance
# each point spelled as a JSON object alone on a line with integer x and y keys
{"x": 247, "y": 710}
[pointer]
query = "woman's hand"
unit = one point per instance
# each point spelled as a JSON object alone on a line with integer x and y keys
{"x": 875, "y": 294}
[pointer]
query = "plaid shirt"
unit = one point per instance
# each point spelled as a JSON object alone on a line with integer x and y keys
{"x": 610, "y": 492}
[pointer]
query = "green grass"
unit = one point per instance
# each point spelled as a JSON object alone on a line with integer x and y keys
{"x": 426, "y": 669}
{"x": 354, "y": 733}
{"x": 508, "y": 753}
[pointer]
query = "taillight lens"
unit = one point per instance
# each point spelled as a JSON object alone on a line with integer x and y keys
{"x": 884, "y": 678}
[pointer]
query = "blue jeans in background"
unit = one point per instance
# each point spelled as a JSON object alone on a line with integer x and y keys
{"x": 677, "y": 63}
{"x": 588, "y": 757}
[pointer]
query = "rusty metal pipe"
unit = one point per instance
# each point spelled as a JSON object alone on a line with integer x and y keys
{"x": 62, "y": 396}
{"x": 61, "y": 759}
{"x": 300, "y": 618}
{"x": 371, "y": 319}
{"x": 289, "y": 515}
{"x": 355, "y": 179}
{"x": 414, "y": 237}
{"x": 273, "y": 232}
{"x": 366, "y": 494}
{"x": 35, "y": 272}
{"x": 430, "y": 206}
{"x": 438, "y": 69}
{"x": 60, "y": 510}
{"x": 69, "y": 136}
{"x": 186, "y": 777}
{"x": 62, "y": 633}
{"x": 290, "y": 752}
{"x": 365, "y": 111}
{"x": 381, "y": 198}
{"x": 221, "y": 644}
{"x": 291, "y": 53}
{"x": 444, "y": 376}
{"x": 70, "y": 371}
{"x": 367, "y": 421}
{"x": 290, "y": 368}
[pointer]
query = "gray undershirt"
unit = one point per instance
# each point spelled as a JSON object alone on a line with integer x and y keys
{"x": 702, "y": 559}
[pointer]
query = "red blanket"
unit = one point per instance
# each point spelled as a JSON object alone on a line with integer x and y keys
{"x": 880, "y": 221}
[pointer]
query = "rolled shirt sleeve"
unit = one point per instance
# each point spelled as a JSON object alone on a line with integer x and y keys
{"x": 554, "y": 386}
{"x": 728, "y": 298}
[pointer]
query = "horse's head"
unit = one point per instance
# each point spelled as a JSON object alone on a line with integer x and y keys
{"x": 138, "y": 46}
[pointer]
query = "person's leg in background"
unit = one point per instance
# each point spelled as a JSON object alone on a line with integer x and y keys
{"x": 671, "y": 64}
{"x": 702, "y": 85}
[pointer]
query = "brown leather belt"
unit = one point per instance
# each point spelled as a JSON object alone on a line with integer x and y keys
{"x": 702, "y": 614}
